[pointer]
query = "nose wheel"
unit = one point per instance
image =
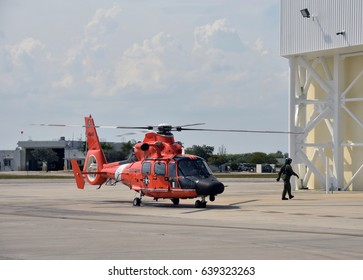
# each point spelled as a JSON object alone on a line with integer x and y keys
{"x": 201, "y": 204}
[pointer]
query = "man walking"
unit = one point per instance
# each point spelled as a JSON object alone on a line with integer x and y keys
{"x": 286, "y": 172}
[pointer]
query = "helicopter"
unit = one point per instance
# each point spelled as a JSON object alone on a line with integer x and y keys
{"x": 157, "y": 168}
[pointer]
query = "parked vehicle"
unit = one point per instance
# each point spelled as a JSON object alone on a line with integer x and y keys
{"x": 247, "y": 167}
{"x": 266, "y": 168}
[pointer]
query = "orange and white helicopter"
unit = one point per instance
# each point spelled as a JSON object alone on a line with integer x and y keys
{"x": 157, "y": 168}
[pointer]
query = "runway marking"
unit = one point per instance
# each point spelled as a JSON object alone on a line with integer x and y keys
{"x": 188, "y": 225}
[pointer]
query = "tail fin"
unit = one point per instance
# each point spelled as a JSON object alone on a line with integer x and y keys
{"x": 91, "y": 133}
{"x": 77, "y": 174}
{"x": 95, "y": 158}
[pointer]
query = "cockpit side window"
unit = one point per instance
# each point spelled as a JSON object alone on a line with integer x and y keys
{"x": 160, "y": 168}
{"x": 146, "y": 168}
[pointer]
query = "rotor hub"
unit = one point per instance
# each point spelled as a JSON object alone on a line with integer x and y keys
{"x": 164, "y": 129}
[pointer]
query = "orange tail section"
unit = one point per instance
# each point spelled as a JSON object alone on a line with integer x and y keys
{"x": 91, "y": 133}
{"x": 77, "y": 174}
{"x": 95, "y": 158}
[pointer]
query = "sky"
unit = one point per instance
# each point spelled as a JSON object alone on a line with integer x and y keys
{"x": 140, "y": 63}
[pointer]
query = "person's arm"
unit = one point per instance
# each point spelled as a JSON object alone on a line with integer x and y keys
{"x": 280, "y": 172}
{"x": 291, "y": 172}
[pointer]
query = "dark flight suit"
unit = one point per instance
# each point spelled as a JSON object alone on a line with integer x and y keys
{"x": 286, "y": 172}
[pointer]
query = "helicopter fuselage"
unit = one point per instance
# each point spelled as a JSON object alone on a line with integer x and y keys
{"x": 179, "y": 177}
{"x": 158, "y": 169}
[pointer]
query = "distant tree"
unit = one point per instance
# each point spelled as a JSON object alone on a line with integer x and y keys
{"x": 261, "y": 158}
{"x": 125, "y": 151}
{"x": 201, "y": 151}
{"x": 218, "y": 159}
{"x": 235, "y": 159}
{"x": 128, "y": 147}
{"x": 107, "y": 146}
{"x": 84, "y": 146}
{"x": 279, "y": 154}
{"x": 111, "y": 154}
{"x": 45, "y": 155}
{"x": 258, "y": 158}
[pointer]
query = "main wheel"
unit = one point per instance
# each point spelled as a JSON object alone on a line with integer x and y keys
{"x": 175, "y": 201}
{"x": 137, "y": 201}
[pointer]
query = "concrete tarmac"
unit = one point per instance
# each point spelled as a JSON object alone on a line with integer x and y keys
{"x": 50, "y": 219}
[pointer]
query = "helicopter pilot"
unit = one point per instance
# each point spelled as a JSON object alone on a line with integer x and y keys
{"x": 286, "y": 172}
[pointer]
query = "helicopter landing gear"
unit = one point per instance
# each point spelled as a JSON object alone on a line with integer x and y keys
{"x": 201, "y": 204}
{"x": 137, "y": 201}
{"x": 175, "y": 201}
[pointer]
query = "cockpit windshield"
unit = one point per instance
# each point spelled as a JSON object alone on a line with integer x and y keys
{"x": 193, "y": 167}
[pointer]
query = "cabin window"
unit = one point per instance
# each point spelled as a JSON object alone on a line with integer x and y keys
{"x": 172, "y": 170}
{"x": 146, "y": 168}
{"x": 160, "y": 168}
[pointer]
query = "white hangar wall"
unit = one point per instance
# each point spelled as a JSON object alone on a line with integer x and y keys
{"x": 319, "y": 32}
{"x": 325, "y": 54}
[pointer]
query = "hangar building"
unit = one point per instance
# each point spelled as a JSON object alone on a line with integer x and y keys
{"x": 22, "y": 158}
{"x": 323, "y": 41}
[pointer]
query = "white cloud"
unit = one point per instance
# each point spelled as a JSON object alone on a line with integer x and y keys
{"x": 218, "y": 35}
{"x": 88, "y": 62}
{"x": 26, "y": 51}
{"x": 260, "y": 47}
{"x": 66, "y": 82}
{"x": 188, "y": 63}
{"x": 24, "y": 67}
{"x": 151, "y": 65}
{"x": 103, "y": 21}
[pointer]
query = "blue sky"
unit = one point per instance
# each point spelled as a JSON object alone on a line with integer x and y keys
{"x": 143, "y": 63}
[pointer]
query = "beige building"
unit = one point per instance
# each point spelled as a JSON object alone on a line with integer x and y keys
{"x": 323, "y": 41}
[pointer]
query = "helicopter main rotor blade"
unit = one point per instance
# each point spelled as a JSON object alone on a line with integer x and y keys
{"x": 57, "y": 125}
{"x": 191, "y": 124}
{"x": 97, "y": 126}
{"x": 127, "y": 127}
{"x": 181, "y": 127}
{"x": 242, "y": 131}
{"x": 178, "y": 128}
{"x": 132, "y": 133}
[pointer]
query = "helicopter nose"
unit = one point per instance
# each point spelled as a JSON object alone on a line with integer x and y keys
{"x": 206, "y": 188}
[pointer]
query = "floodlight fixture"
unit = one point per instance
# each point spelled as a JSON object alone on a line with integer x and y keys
{"x": 305, "y": 13}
